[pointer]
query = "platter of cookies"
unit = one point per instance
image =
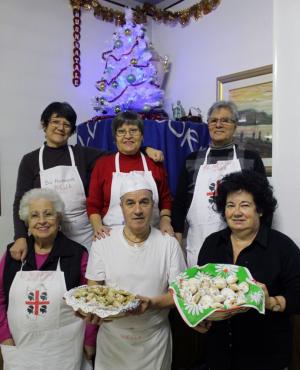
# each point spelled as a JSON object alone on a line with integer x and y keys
{"x": 215, "y": 292}
{"x": 104, "y": 301}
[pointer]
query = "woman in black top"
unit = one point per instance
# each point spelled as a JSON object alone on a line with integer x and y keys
{"x": 250, "y": 340}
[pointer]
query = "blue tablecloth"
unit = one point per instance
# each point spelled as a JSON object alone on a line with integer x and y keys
{"x": 175, "y": 138}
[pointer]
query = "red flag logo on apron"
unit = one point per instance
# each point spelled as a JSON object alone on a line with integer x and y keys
{"x": 37, "y": 302}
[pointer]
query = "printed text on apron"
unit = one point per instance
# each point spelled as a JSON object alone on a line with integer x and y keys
{"x": 67, "y": 182}
{"x": 201, "y": 217}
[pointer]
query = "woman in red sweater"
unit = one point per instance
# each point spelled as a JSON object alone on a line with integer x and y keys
{"x": 103, "y": 202}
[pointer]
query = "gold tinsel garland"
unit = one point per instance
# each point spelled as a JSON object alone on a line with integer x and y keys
{"x": 140, "y": 14}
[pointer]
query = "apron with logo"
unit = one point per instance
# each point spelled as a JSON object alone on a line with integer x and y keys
{"x": 201, "y": 217}
{"x": 46, "y": 333}
{"x": 139, "y": 348}
{"x": 67, "y": 182}
{"x": 114, "y": 215}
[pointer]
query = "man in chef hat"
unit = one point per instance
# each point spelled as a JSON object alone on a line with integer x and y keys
{"x": 138, "y": 258}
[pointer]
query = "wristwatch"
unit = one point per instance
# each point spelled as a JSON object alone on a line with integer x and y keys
{"x": 276, "y": 306}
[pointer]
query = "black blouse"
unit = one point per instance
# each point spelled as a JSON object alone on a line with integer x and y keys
{"x": 251, "y": 341}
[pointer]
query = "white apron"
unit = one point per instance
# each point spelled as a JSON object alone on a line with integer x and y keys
{"x": 46, "y": 332}
{"x": 201, "y": 217}
{"x": 67, "y": 182}
{"x": 114, "y": 215}
{"x": 144, "y": 348}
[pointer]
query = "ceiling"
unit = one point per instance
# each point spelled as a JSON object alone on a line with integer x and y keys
{"x": 132, "y": 3}
{"x": 153, "y": 2}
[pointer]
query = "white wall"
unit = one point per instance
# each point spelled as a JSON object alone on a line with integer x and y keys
{"x": 36, "y": 67}
{"x": 235, "y": 37}
{"x": 286, "y": 149}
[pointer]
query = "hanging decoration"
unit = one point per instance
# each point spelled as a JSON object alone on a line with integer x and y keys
{"x": 130, "y": 80}
{"x": 183, "y": 16}
{"x": 139, "y": 16}
{"x": 76, "y": 46}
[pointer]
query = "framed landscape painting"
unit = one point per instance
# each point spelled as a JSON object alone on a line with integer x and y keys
{"x": 251, "y": 90}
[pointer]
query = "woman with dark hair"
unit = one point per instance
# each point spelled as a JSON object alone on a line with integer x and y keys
{"x": 249, "y": 340}
{"x": 256, "y": 185}
{"x": 62, "y": 167}
{"x": 103, "y": 202}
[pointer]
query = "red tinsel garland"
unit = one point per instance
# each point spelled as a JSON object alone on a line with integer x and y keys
{"x": 117, "y": 97}
{"x": 122, "y": 55}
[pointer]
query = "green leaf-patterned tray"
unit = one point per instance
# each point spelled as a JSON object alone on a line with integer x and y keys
{"x": 193, "y": 313}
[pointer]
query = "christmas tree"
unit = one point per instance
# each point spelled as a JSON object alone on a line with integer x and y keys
{"x": 130, "y": 80}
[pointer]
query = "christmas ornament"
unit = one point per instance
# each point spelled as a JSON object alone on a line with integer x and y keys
{"x": 101, "y": 85}
{"x": 127, "y": 32}
{"x": 131, "y": 78}
{"x": 118, "y": 44}
{"x": 133, "y": 61}
{"x": 117, "y": 109}
{"x": 102, "y": 100}
{"x": 114, "y": 84}
{"x": 146, "y": 108}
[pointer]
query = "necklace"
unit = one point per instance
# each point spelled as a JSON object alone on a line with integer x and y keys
{"x": 136, "y": 243}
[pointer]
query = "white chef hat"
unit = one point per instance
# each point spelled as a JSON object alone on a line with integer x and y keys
{"x": 134, "y": 181}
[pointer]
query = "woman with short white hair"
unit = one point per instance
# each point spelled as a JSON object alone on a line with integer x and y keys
{"x": 37, "y": 329}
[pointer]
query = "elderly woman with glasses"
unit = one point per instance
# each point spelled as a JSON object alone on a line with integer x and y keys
{"x": 62, "y": 167}
{"x": 250, "y": 340}
{"x": 103, "y": 202}
{"x": 37, "y": 329}
{"x": 200, "y": 176}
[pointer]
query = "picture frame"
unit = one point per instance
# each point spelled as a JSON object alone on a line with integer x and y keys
{"x": 252, "y": 91}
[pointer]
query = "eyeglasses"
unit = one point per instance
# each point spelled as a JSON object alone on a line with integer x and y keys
{"x": 132, "y": 132}
{"x": 223, "y": 121}
{"x": 46, "y": 215}
{"x": 58, "y": 123}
